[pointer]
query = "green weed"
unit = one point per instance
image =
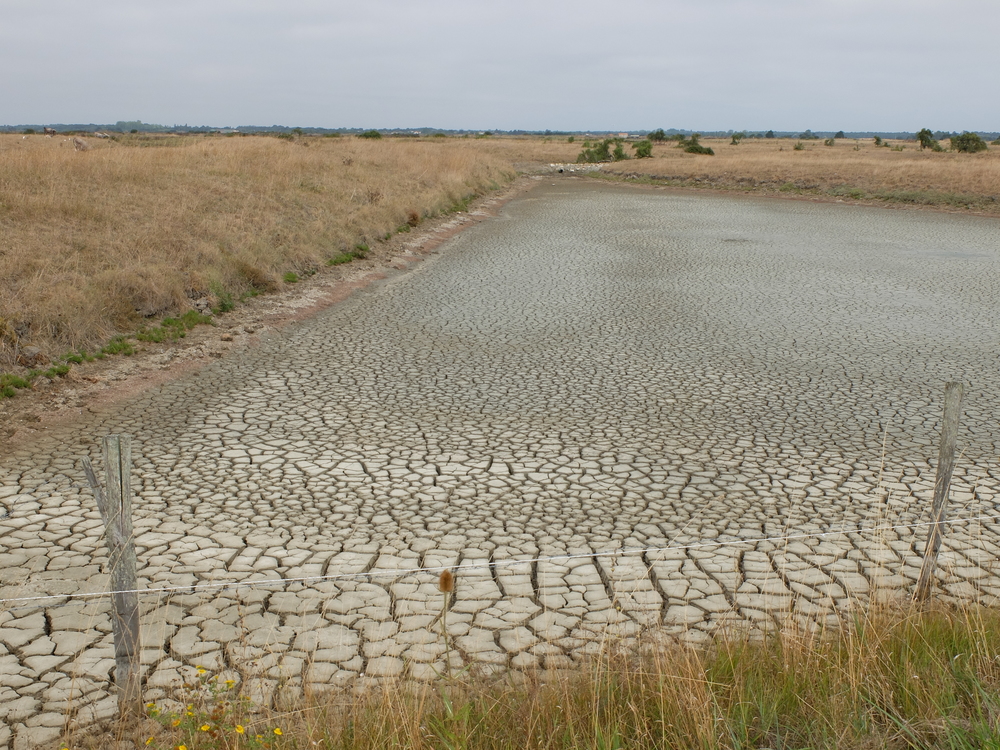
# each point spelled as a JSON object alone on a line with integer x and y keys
{"x": 291, "y": 277}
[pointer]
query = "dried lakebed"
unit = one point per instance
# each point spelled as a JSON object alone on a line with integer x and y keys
{"x": 617, "y": 410}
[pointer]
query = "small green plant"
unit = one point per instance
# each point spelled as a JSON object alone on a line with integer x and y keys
{"x": 643, "y": 149}
{"x": 286, "y": 136}
{"x": 360, "y": 252}
{"x": 619, "y": 153}
{"x": 799, "y": 146}
{"x": 899, "y": 147}
{"x": 117, "y": 345}
{"x": 370, "y": 134}
{"x": 291, "y": 277}
{"x": 968, "y": 143}
{"x": 878, "y": 141}
{"x": 225, "y": 298}
{"x": 829, "y": 142}
{"x": 571, "y": 139}
{"x": 170, "y": 329}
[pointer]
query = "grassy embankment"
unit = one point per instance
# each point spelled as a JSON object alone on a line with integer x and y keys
{"x": 888, "y": 679}
{"x": 847, "y": 170}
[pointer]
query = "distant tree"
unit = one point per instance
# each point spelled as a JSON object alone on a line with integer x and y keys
{"x": 619, "y": 153}
{"x": 737, "y": 137}
{"x": 372, "y": 134}
{"x": 657, "y": 135}
{"x": 571, "y": 139}
{"x": 878, "y": 140}
{"x": 808, "y": 135}
{"x": 643, "y": 149}
{"x": 967, "y": 143}
{"x": 29, "y": 131}
{"x": 840, "y": 134}
{"x": 927, "y": 140}
{"x": 769, "y": 134}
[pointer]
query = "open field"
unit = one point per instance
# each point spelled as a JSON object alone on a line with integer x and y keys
{"x": 951, "y": 180}
{"x": 97, "y": 242}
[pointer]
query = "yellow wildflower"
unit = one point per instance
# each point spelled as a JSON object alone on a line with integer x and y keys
{"x": 277, "y": 731}
{"x": 240, "y": 729}
{"x": 205, "y": 727}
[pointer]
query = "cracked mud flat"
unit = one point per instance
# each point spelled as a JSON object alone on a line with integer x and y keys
{"x": 658, "y": 389}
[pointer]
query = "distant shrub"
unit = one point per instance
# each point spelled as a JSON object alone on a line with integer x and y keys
{"x": 995, "y": 143}
{"x": 29, "y": 131}
{"x": 692, "y": 146}
{"x": 799, "y": 146}
{"x": 643, "y": 149}
{"x": 570, "y": 139}
{"x": 657, "y": 136}
{"x": 372, "y": 134}
{"x": 619, "y": 153}
{"x": 840, "y": 134}
{"x": 968, "y": 143}
{"x": 595, "y": 153}
{"x": 829, "y": 142}
{"x": 737, "y": 137}
{"x": 769, "y": 134}
{"x": 286, "y": 136}
{"x": 808, "y": 135}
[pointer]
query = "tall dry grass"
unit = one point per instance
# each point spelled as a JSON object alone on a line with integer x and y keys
{"x": 869, "y": 172}
{"x": 892, "y": 677}
{"x": 93, "y": 241}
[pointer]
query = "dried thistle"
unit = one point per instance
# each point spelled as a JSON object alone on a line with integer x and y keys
{"x": 446, "y": 581}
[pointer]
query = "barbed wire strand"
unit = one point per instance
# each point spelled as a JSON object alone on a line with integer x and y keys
{"x": 402, "y": 572}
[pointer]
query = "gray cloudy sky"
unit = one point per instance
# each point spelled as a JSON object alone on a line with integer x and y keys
{"x": 514, "y": 64}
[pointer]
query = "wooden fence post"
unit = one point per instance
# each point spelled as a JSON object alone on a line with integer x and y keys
{"x": 116, "y": 512}
{"x": 942, "y": 483}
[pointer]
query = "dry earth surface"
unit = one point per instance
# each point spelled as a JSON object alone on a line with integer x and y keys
{"x": 617, "y": 411}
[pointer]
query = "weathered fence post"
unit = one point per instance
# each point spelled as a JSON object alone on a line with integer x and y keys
{"x": 116, "y": 512}
{"x": 942, "y": 483}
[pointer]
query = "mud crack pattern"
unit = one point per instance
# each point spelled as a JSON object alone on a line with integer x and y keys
{"x": 599, "y": 369}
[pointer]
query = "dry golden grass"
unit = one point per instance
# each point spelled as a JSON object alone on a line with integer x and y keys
{"x": 891, "y": 677}
{"x": 909, "y": 175}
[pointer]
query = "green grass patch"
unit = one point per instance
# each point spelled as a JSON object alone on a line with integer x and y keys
{"x": 291, "y": 277}
{"x": 170, "y": 329}
{"x": 359, "y": 252}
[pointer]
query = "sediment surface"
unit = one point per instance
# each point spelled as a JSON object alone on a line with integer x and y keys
{"x": 713, "y": 412}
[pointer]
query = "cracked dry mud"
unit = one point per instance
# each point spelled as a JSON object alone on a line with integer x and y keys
{"x": 654, "y": 388}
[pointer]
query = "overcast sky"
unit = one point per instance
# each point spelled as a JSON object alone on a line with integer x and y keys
{"x": 882, "y": 65}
